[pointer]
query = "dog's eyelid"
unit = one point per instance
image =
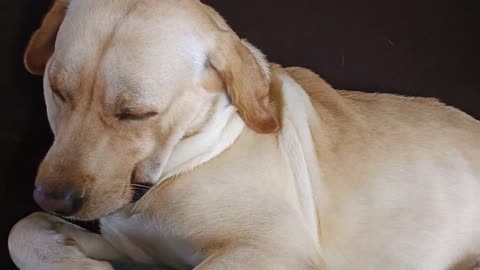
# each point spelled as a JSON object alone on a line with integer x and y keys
{"x": 129, "y": 114}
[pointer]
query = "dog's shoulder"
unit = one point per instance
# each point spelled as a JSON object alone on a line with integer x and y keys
{"x": 324, "y": 98}
{"x": 374, "y": 105}
{"x": 317, "y": 88}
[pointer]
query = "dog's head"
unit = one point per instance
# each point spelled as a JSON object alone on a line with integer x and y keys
{"x": 126, "y": 80}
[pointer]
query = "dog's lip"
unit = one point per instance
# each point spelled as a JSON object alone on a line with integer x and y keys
{"x": 92, "y": 225}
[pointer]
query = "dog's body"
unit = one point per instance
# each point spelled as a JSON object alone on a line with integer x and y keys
{"x": 347, "y": 180}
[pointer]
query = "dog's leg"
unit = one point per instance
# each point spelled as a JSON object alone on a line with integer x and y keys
{"x": 250, "y": 257}
{"x": 42, "y": 241}
{"x": 92, "y": 245}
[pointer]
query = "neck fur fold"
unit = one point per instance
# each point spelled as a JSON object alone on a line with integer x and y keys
{"x": 217, "y": 135}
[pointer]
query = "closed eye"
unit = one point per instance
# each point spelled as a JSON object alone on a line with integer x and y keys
{"x": 128, "y": 114}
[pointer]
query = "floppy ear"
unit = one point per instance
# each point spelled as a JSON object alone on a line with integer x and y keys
{"x": 245, "y": 73}
{"x": 42, "y": 43}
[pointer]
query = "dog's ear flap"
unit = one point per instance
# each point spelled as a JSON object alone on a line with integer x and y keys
{"x": 42, "y": 42}
{"x": 245, "y": 73}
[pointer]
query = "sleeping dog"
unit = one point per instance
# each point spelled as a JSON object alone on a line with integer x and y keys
{"x": 252, "y": 165}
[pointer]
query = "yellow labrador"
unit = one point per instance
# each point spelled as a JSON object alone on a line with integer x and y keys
{"x": 252, "y": 165}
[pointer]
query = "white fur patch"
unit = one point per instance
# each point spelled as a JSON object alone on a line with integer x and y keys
{"x": 225, "y": 126}
{"x": 298, "y": 147}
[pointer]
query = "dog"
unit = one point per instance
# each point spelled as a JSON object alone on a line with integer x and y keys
{"x": 245, "y": 164}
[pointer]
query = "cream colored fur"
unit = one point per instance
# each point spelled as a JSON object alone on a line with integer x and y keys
{"x": 254, "y": 166}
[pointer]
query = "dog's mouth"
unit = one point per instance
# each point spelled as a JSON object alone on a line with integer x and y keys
{"x": 90, "y": 225}
{"x": 139, "y": 190}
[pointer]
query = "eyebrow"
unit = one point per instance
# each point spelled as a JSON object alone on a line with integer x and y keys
{"x": 56, "y": 92}
{"x": 55, "y": 85}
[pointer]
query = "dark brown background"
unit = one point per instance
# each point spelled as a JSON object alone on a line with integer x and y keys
{"x": 421, "y": 48}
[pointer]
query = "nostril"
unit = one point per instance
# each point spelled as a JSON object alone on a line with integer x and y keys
{"x": 64, "y": 202}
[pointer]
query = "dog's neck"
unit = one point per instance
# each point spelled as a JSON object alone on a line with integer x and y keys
{"x": 216, "y": 136}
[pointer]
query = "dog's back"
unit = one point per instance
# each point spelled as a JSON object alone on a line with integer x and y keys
{"x": 396, "y": 168}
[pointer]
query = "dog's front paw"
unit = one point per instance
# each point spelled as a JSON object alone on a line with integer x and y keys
{"x": 42, "y": 241}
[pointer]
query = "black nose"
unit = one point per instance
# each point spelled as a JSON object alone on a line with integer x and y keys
{"x": 62, "y": 201}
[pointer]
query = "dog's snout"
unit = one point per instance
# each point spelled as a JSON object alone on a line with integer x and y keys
{"x": 63, "y": 201}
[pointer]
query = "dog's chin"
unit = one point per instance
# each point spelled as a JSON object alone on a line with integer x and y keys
{"x": 94, "y": 213}
{"x": 90, "y": 220}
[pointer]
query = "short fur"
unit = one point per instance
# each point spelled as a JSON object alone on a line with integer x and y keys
{"x": 254, "y": 166}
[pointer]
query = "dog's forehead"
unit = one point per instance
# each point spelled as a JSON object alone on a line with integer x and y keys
{"x": 137, "y": 45}
{"x": 156, "y": 17}
{"x": 89, "y": 24}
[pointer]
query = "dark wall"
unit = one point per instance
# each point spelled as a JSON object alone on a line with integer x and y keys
{"x": 424, "y": 48}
